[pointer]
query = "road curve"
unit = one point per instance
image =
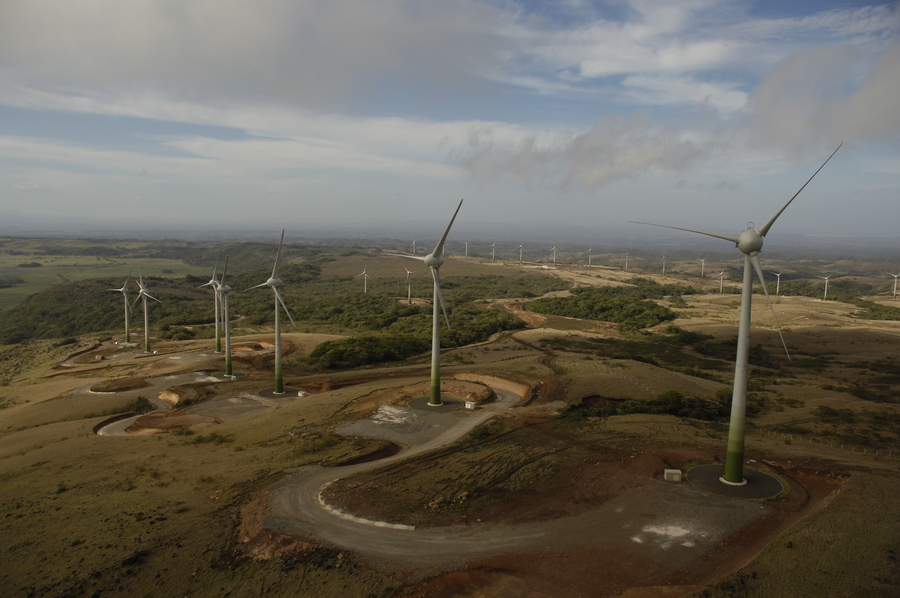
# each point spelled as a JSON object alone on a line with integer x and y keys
{"x": 700, "y": 523}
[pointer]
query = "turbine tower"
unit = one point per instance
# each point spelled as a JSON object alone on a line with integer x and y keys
{"x": 664, "y": 266}
{"x": 702, "y": 266}
{"x": 626, "y": 262}
{"x": 777, "y": 284}
{"x": 408, "y": 285}
{"x": 142, "y": 295}
{"x": 467, "y": 250}
{"x": 894, "y": 275}
{"x": 721, "y": 282}
{"x": 273, "y": 283}
{"x": 554, "y": 254}
{"x": 223, "y": 290}
{"x": 124, "y": 291}
{"x": 825, "y": 278}
{"x": 366, "y": 279}
{"x": 414, "y": 247}
{"x": 215, "y": 286}
{"x": 493, "y": 245}
{"x": 520, "y": 252}
{"x": 749, "y": 242}
{"x": 434, "y": 261}
{"x": 590, "y": 257}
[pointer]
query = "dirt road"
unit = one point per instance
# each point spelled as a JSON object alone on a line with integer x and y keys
{"x": 662, "y": 527}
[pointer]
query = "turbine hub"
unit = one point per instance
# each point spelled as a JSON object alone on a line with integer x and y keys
{"x": 433, "y": 261}
{"x": 750, "y": 242}
{"x": 273, "y": 282}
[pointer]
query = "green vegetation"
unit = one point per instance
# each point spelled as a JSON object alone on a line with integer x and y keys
{"x": 629, "y": 307}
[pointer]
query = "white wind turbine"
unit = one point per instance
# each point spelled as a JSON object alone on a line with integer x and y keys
{"x": 143, "y": 296}
{"x": 825, "y": 278}
{"x": 702, "y": 266}
{"x": 414, "y": 247}
{"x": 664, "y": 266}
{"x": 434, "y": 261}
{"x": 124, "y": 291}
{"x": 408, "y": 285}
{"x": 467, "y": 250}
{"x": 366, "y": 279}
{"x": 722, "y": 282}
{"x": 777, "y": 284}
{"x": 749, "y": 242}
{"x": 273, "y": 283}
{"x": 894, "y": 275}
{"x": 223, "y": 290}
{"x": 626, "y": 262}
{"x": 553, "y": 249}
{"x": 521, "y": 249}
{"x": 215, "y": 286}
{"x": 590, "y": 257}
{"x": 493, "y": 246}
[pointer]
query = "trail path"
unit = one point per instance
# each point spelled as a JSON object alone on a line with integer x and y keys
{"x": 665, "y": 526}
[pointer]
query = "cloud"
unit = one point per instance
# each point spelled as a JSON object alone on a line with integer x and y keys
{"x": 316, "y": 52}
{"x": 613, "y": 149}
{"x": 828, "y": 95}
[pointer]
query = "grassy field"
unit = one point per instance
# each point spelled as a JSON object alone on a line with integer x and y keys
{"x": 158, "y": 515}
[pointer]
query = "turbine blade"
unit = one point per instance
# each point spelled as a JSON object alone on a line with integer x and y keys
{"x": 278, "y": 256}
{"x": 259, "y": 286}
{"x": 280, "y": 300}
{"x": 437, "y": 291}
{"x": 772, "y": 220}
{"x": 439, "y": 248}
{"x": 154, "y": 298}
{"x": 755, "y": 261}
{"x": 732, "y": 238}
{"x": 412, "y": 257}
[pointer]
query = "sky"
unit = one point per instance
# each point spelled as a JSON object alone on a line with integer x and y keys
{"x": 232, "y": 114}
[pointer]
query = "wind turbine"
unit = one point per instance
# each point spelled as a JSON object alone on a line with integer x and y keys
{"x": 215, "y": 286}
{"x": 124, "y": 291}
{"x": 777, "y": 284}
{"x": 749, "y": 242}
{"x": 434, "y": 261}
{"x": 626, "y": 262}
{"x": 521, "y": 249}
{"x": 223, "y": 290}
{"x": 825, "y": 278}
{"x": 493, "y": 245}
{"x": 408, "y": 286}
{"x": 467, "y": 250}
{"x": 142, "y": 295}
{"x": 590, "y": 257}
{"x": 273, "y": 283}
{"x": 702, "y": 266}
{"x": 366, "y": 279}
{"x": 414, "y": 247}
{"x": 894, "y": 275}
{"x": 554, "y": 254}
{"x": 721, "y": 282}
{"x": 664, "y": 266}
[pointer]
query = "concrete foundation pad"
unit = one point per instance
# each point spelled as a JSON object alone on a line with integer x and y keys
{"x": 759, "y": 484}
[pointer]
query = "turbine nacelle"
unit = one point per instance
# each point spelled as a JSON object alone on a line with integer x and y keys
{"x": 750, "y": 242}
{"x": 434, "y": 261}
{"x": 273, "y": 282}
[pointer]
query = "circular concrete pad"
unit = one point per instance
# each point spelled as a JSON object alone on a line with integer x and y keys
{"x": 759, "y": 484}
{"x": 270, "y": 393}
{"x": 447, "y": 404}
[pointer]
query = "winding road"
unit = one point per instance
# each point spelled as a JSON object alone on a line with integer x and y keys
{"x": 667, "y": 526}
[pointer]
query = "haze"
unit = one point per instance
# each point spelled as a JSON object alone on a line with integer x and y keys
{"x": 271, "y": 114}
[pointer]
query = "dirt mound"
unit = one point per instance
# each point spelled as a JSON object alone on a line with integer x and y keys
{"x": 120, "y": 385}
